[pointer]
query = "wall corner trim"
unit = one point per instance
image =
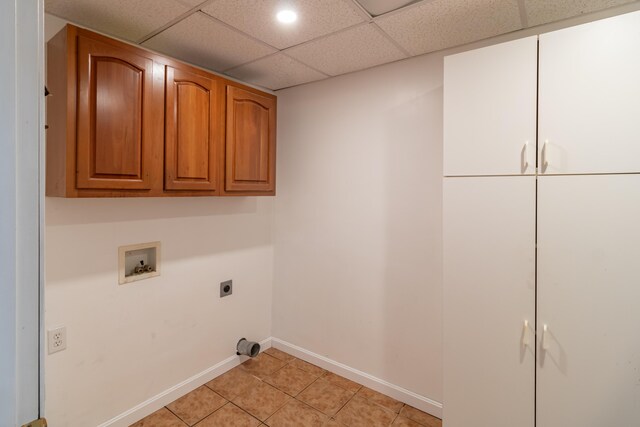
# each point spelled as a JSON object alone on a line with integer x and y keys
{"x": 156, "y": 402}
{"x": 423, "y": 403}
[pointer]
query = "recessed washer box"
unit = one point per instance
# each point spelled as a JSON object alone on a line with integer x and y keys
{"x": 138, "y": 262}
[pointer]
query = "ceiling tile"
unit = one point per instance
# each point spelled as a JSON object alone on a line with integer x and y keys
{"x": 350, "y": 50}
{"x": 203, "y": 41}
{"x": 543, "y": 11}
{"x": 440, "y": 24}
{"x": 258, "y": 18}
{"x": 192, "y": 3}
{"x": 380, "y": 7}
{"x": 276, "y": 72}
{"x": 127, "y": 19}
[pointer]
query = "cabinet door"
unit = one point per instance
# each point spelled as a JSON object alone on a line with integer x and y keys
{"x": 588, "y": 294}
{"x": 590, "y": 98}
{"x": 489, "y": 293}
{"x": 115, "y": 144}
{"x": 251, "y": 141}
{"x": 490, "y": 110}
{"x": 193, "y": 131}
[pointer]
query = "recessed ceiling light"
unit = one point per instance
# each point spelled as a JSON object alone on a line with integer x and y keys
{"x": 287, "y": 16}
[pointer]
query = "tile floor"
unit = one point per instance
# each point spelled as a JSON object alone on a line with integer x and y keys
{"x": 278, "y": 390}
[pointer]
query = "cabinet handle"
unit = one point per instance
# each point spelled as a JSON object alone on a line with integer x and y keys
{"x": 545, "y": 338}
{"x": 543, "y": 154}
{"x": 526, "y": 334}
{"x": 525, "y": 157}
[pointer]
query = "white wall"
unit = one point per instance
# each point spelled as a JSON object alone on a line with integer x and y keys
{"x": 21, "y": 125}
{"x": 127, "y": 343}
{"x": 8, "y": 235}
{"x": 358, "y": 218}
{"x": 356, "y": 247}
{"x": 358, "y": 222}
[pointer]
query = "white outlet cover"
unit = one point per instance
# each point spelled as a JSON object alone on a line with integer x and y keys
{"x": 57, "y": 339}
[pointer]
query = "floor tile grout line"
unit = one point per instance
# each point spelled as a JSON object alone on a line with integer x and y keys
{"x": 208, "y": 415}
{"x": 395, "y": 414}
{"x": 342, "y": 407}
{"x": 216, "y": 410}
{"x": 380, "y": 405}
{"x": 308, "y": 404}
{"x": 297, "y": 394}
{"x": 176, "y": 415}
{"x": 312, "y": 383}
{"x": 290, "y": 398}
{"x": 255, "y": 418}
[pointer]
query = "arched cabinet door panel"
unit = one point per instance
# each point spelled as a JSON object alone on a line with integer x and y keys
{"x": 114, "y": 136}
{"x": 250, "y": 142}
{"x": 193, "y": 131}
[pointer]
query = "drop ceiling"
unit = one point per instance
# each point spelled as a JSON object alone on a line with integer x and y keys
{"x": 242, "y": 38}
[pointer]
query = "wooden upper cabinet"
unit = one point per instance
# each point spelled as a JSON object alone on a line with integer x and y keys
{"x": 105, "y": 117}
{"x": 127, "y": 122}
{"x": 250, "y": 141}
{"x": 193, "y": 131}
{"x": 114, "y": 117}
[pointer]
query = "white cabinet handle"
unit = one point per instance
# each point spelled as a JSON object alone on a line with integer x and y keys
{"x": 525, "y": 157}
{"x": 526, "y": 334}
{"x": 543, "y": 154}
{"x": 545, "y": 338}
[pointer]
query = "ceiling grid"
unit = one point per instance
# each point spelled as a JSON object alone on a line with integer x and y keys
{"x": 242, "y": 38}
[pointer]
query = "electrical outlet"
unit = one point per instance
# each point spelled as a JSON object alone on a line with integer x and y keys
{"x": 57, "y": 339}
{"x": 226, "y": 288}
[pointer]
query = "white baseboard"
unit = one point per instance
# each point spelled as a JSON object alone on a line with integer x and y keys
{"x": 410, "y": 398}
{"x": 156, "y": 402}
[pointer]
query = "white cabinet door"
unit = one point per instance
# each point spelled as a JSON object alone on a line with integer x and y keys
{"x": 590, "y": 98}
{"x": 489, "y": 292}
{"x": 490, "y": 110}
{"x": 589, "y": 296}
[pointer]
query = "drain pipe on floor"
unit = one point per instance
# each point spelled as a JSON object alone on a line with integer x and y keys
{"x": 247, "y": 348}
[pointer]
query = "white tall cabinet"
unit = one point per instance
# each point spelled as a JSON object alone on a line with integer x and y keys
{"x": 589, "y": 298}
{"x": 490, "y": 110}
{"x": 542, "y": 266}
{"x": 590, "y": 98}
{"x": 489, "y": 259}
